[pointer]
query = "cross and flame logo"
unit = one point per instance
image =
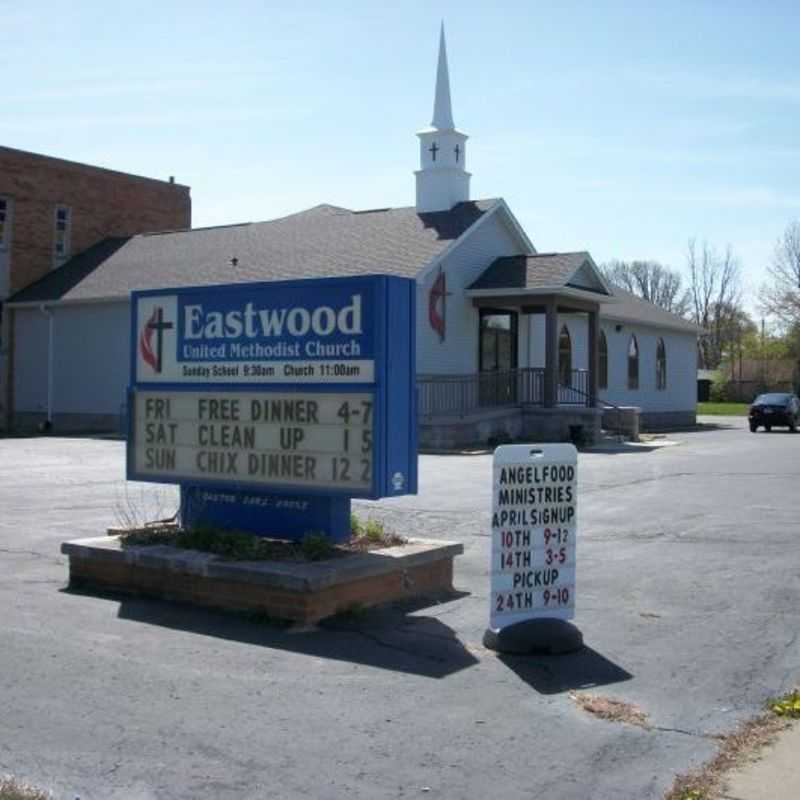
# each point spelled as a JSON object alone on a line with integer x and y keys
{"x": 154, "y": 327}
{"x": 437, "y": 300}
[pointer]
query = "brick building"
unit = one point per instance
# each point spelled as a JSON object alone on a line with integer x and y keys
{"x": 52, "y": 210}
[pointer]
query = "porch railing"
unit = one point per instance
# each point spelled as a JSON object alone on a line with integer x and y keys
{"x": 459, "y": 395}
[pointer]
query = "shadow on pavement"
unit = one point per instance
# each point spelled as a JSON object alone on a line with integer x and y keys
{"x": 388, "y": 638}
{"x": 621, "y": 449}
{"x": 584, "y": 669}
{"x": 710, "y": 427}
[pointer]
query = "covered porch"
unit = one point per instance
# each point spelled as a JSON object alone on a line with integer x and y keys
{"x": 527, "y": 384}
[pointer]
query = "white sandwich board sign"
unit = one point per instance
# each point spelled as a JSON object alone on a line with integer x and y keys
{"x": 534, "y": 528}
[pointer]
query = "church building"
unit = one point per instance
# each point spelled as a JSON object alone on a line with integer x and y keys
{"x": 511, "y": 342}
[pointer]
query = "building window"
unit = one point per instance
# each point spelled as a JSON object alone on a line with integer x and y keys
{"x": 62, "y": 234}
{"x": 5, "y": 222}
{"x": 564, "y": 357}
{"x": 498, "y": 341}
{"x": 602, "y": 362}
{"x": 633, "y": 363}
{"x": 661, "y": 365}
{"x": 497, "y": 383}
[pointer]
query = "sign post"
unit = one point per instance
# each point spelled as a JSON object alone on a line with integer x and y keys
{"x": 273, "y": 404}
{"x": 534, "y": 531}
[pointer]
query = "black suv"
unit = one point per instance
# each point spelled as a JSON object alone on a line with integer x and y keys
{"x": 776, "y": 408}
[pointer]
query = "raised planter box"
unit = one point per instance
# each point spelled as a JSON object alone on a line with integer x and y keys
{"x": 300, "y": 592}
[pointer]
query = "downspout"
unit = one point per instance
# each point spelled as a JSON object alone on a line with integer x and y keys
{"x": 48, "y": 423}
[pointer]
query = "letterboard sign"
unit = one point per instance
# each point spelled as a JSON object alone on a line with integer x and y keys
{"x": 534, "y": 528}
{"x": 298, "y": 387}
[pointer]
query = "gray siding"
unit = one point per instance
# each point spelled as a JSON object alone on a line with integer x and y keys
{"x": 30, "y": 360}
{"x": 458, "y": 353}
{"x": 680, "y": 393}
{"x": 90, "y": 373}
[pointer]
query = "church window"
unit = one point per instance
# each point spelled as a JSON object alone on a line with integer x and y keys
{"x": 633, "y": 363}
{"x": 661, "y": 365}
{"x": 62, "y": 234}
{"x": 602, "y": 361}
{"x": 564, "y": 357}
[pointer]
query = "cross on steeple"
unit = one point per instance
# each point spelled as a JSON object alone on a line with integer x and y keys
{"x": 442, "y": 182}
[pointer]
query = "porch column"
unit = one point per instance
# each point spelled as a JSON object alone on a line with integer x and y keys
{"x": 551, "y": 354}
{"x": 594, "y": 356}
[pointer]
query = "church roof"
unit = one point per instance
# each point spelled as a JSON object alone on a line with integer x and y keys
{"x": 537, "y": 271}
{"x": 324, "y": 241}
{"x": 554, "y": 271}
{"x": 630, "y": 308}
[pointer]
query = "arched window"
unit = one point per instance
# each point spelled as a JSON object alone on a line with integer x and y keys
{"x": 661, "y": 365}
{"x": 633, "y": 363}
{"x": 564, "y": 357}
{"x": 602, "y": 362}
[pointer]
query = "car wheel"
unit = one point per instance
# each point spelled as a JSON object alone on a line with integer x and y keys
{"x": 793, "y": 426}
{"x": 753, "y": 428}
{"x": 768, "y": 428}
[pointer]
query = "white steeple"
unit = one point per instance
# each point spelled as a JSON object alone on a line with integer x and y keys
{"x": 442, "y": 180}
{"x": 442, "y": 109}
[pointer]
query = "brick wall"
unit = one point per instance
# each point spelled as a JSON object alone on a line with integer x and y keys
{"x": 102, "y": 203}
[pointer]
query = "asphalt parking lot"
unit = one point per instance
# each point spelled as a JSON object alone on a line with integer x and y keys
{"x": 688, "y": 597}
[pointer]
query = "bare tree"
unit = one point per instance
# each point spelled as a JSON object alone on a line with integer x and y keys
{"x": 716, "y": 297}
{"x": 651, "y": 281}
{"x": 780, "y": 298}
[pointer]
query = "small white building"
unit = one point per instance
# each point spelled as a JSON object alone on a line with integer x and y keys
{"x": 510, "y": 342}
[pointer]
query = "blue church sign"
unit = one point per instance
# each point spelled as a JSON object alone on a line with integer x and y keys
{"x": 273, "y": 404}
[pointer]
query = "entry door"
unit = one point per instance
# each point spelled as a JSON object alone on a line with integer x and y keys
{"x": 498, "y": 357}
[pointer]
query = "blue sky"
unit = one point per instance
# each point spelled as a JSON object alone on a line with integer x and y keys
{"x": 621, "y": 128}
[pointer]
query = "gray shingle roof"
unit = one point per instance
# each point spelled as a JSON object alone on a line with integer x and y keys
{"x": 540, "y": 271}
{"x": 631, "y": 308}
{"x": 554, "y": 270}
{"x": 324, "y": 241}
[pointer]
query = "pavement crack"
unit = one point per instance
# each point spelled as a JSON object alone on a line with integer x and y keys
{"x": 12, "y": 552}
{"x": 666, "y": 475}
{"x": 399, "y": 648}
{"x": 696, "y": 734}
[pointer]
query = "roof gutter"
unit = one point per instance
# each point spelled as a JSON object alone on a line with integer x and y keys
{"x": 686, "y": 327}
{"x": 87, "y": 301}
{"x": 565, "y": 291}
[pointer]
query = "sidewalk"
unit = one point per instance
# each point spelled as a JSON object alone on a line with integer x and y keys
{"x": 775, "y": 775}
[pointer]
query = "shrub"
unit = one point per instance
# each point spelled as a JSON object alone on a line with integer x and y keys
{"x": 374, "y": 532}
{"x": 316, "y": 546}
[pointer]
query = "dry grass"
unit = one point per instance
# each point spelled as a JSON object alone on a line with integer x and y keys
{"x": 746, "y": 742}
{"x": 11, "y": 789}
{"x": 610, "y": 709}
{"x": 707, "y": 782}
